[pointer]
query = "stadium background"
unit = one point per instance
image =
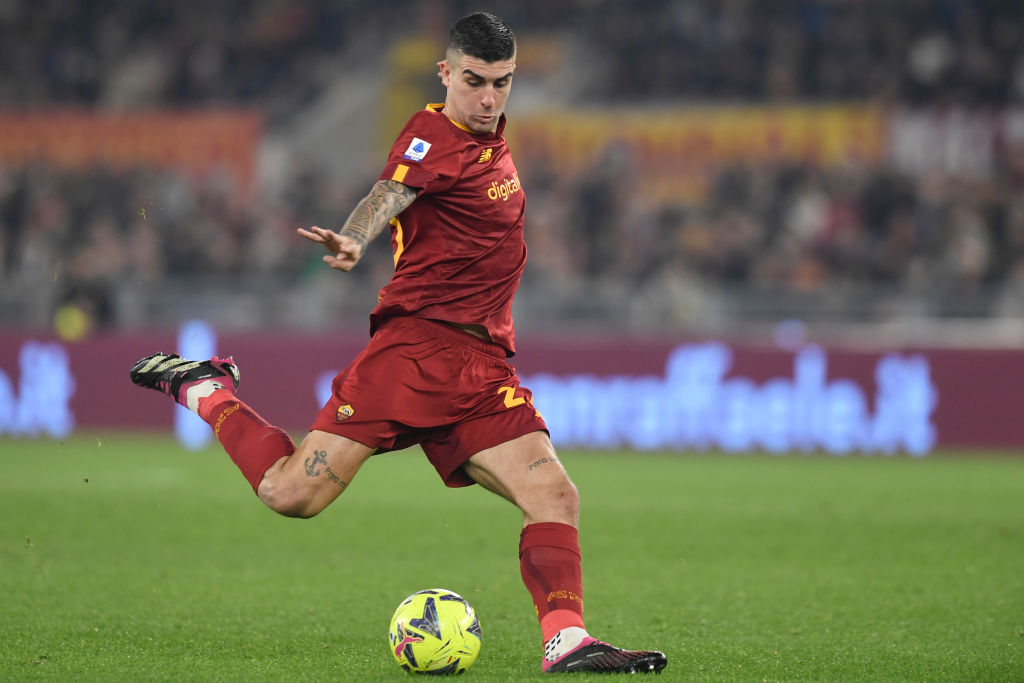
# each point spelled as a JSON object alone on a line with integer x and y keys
{"x": 755, "y": 228}
{"x": 836, "y": 176}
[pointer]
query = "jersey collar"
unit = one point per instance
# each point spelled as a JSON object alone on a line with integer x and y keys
{"x": 438, "y": 107}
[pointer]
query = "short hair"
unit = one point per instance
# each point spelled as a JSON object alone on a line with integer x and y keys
{"x": 484, "y": 36}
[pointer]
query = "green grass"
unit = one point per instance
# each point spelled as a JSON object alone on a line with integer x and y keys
{"x": 128, "y": 558}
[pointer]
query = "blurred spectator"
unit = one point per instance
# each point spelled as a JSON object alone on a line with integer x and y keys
{"x": 125, "y": 54}
{"x": 780, "y": 227}
{"x": 277, "y": 55}
{"x": 82, "y": 237}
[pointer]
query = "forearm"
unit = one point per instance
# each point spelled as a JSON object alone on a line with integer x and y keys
{"x": 374, "y": 212}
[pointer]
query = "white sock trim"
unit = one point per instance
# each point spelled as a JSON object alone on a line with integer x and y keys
{"x": 198, "y": 391}
{"x": 564, "y": 642}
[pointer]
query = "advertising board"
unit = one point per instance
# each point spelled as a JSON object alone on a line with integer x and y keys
{"x": 603, "y": 393}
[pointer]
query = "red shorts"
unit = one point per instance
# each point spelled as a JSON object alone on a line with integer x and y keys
{"x": 424, "y": 382}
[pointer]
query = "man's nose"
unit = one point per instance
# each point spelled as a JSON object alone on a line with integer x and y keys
{"x": 487, "y": 97}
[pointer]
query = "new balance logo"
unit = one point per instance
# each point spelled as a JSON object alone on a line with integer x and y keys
{"x": 485, "y": 156}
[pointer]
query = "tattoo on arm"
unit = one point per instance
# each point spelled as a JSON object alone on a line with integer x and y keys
{"x": 374, "y": 212}
{"x": 320, "y": 458}
{"x": 335, "y": 478}
{"x": 542, "y": 461}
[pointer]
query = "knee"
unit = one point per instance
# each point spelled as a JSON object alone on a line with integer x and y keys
{"x": 566, "y": 493}
{"x": 557, "y": 502}
{"x": 286, "y": 500}
{"x": 568, "y": 498}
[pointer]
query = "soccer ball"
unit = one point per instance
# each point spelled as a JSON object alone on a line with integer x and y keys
{"x": 435, "y": 631}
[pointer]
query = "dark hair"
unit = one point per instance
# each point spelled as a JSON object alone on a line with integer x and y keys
{"x": 484, "y": 36}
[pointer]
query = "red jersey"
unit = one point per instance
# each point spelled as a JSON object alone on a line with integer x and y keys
{"x": 459, "y": 248}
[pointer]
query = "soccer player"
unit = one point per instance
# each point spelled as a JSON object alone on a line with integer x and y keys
{"x": 434, "y": 372}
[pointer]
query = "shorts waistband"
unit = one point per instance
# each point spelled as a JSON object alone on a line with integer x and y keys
{"x": 453, "y": 334}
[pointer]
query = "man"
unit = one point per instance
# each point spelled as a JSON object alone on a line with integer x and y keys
{"x": 434, "y": 372}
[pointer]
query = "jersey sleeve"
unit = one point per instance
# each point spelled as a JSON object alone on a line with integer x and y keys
{"x": 424, "y": 155}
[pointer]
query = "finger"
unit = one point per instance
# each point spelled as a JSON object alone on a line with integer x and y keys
{"x": 339, "y": 257}
{"x": 311, "y": 234}
{"x": 329, "y": 237}
{"x": 339, "y": 262}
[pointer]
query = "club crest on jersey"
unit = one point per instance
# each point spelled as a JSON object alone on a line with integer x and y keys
{"x": 417, "y": 150}
{"x": 344, "y": 412}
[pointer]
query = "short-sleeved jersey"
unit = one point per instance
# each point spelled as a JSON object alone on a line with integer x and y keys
{"x": 459, "y": 248}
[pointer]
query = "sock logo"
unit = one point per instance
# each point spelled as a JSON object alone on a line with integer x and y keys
{"x": 223, "y": 416}
{"x": 564, "y": 595}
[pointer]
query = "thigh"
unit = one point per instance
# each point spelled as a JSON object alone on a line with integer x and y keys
{"x": 527, "y": 472}
{"x": 501, "y": 418}
{"x": 320, "y": 469}
{"x": 398, "y": 386}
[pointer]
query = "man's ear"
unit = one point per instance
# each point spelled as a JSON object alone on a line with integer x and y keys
{"x": 444, "y": 73}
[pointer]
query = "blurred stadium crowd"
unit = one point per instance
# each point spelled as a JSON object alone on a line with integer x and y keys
{"x": 786, "y": 238}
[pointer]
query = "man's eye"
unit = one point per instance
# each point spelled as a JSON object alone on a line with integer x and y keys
{"x": 475, "y": 84}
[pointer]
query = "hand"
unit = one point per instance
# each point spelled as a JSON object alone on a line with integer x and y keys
{"x": 345, "y": 251}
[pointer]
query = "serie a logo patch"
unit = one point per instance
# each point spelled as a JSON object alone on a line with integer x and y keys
{"x": 417, "y": 150}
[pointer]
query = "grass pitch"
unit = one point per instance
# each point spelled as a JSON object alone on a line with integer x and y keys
{"x": 128, "y": 558}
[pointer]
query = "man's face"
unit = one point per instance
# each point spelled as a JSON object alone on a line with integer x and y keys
{"x": 477, "y": 90}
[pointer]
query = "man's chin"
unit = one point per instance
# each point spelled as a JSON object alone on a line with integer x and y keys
{"x": 478, "y": 126}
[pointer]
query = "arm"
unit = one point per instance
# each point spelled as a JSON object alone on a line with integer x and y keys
{"x": 372, "y": 214}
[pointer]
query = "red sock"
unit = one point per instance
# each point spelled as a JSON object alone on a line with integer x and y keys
{"x": 252, "y": 443}
{"x": 551, "y": 566}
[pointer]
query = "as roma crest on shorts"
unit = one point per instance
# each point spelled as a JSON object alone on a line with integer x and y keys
{"x": 344, "y": 413}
